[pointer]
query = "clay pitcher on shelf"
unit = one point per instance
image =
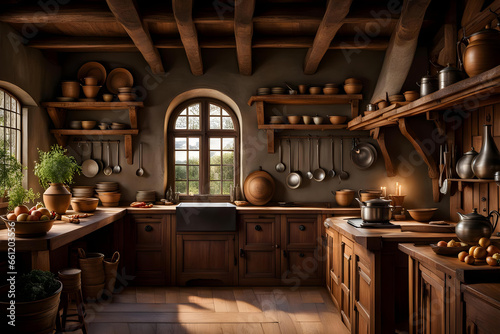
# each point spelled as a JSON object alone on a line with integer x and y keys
{"x": 482, "y": 50}
{"x": 487, "y": 162}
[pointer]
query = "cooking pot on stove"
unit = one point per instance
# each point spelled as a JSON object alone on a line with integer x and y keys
{"x": 376, "y": 210}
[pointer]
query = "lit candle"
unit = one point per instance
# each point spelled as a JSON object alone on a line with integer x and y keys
{"x": 400, "y": 193}
{"x": 384, "y": 191}
{"x": 397, "y": 188}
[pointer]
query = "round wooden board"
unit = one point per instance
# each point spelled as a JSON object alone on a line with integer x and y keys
{"x": 259, "y": 187}
{"x": 117, "y": 78}
{"x": 92, "y": 69}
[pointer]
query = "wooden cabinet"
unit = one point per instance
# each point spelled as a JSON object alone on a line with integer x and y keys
{"x": 333, "y": 255}
{"x": 210, "y": 257}
{"x": 259, "y": 254}
{"x": 345, "y": 273}
{"x": 301, "y": 260}
{"x": 363, "y": 291}
{"x": 148, "y": 254}
{"x": 482, "y": 308}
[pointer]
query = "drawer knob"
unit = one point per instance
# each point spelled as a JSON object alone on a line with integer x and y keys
{"x": 148, "y": 228}
{"x": 258, "y": 228}
{"x": 302, "y": 228}
{"x": 301, "y": 255}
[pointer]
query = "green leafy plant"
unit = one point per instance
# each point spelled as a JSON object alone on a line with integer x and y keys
{"x": 19, "y": 196}
{"x": 11, "y": 172}
{"x": 36, "y": 285}
{"x": 56, "y": 167}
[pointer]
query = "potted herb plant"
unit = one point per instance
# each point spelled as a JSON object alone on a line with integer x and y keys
{"x": 36, "y": 302}
{"x": 54, "y": 170}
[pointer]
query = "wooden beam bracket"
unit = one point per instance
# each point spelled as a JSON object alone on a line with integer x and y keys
{"x": 427, "y": 158}
{"x": 183, "y": 13}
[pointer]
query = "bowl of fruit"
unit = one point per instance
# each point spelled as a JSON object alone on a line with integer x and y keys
{"x": 27, "y": 223}
{"x": 450, "y": 248}
{"x": 483, "y": 251}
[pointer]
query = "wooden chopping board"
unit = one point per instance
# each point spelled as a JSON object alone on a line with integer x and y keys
{"x": 428, "y": 228}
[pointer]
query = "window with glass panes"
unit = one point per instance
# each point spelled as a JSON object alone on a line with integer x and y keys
{"x": 203, "y": 148}
{"x": 10, "y": 124}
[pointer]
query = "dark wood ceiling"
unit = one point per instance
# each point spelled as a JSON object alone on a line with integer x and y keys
{"x": 147, "y": 25}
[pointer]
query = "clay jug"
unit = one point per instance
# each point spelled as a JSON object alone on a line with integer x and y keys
{"x": 57, "y": 198}
{"x": 482, "y": 51}
{"x": 487, "y": 162}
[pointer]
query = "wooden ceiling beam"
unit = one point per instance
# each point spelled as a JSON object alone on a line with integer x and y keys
{"x": 336, "y": 11}
{"x": 401, "y": 50}
{"x": 127, "y": 15}
{"x": 69, "y": 13}
{"x": 117, "y": 44}
{"x": 243, "y": 32}
{"x": 183, "y": 13}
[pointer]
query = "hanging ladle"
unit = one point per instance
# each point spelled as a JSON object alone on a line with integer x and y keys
{"x": 319, "y": 173}
{"x": 343, "y": 174}
{"x": 108, "y": 170}
{"x": 309, "y": 174}
{"x": 331, "y": 172}
{"x": 140, "y": 171}
{"x": 280, "y": 166}
{"x": 117, "y": 169}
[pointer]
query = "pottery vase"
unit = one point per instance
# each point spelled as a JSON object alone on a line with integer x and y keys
{"x": 487, "y": 162}
{"x": 57, "y": 198}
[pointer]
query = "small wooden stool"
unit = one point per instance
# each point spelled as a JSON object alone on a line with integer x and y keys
{"x": 72, "y": 287}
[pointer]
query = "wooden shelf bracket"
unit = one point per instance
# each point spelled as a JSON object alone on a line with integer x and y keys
{"x": 428, "y": 159}
{"x": 379, "y": 135}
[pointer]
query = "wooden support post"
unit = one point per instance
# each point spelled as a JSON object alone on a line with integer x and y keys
{"x": 260, "y": 112}
{"x": 183, "y": 13}
{"x": 436, "y": 118}
{"x": 128, "y": 149}
{"x": 243, "y": 31}
{"x": 40, "y": 260}
{"x": 270, "y": 141}
{"x": 379, "y": 135}
{"x": 426, "y": 157}
{"x": 61, "y": 140}
{"x": 57, "y": 116}
{"x": 132, "y": 112}
{"x": 354, "y": 108}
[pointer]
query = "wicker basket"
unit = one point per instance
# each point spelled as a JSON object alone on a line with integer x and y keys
{"x": 110, "y": 271}
{"x": 92, "y": 268}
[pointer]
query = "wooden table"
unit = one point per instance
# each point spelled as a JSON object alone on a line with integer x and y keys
{"x": 62, "y": 233}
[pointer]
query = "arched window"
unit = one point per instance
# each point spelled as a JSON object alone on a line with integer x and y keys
{"x": 10, "y": 124}
{"x": 203, "y": 148}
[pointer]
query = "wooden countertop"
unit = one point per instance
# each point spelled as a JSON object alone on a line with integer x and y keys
{"x": 63, "y": 233}
{"x": 373, "y": 238}
{"x": 159, "y": 209}
{"x": 450, "y": 265}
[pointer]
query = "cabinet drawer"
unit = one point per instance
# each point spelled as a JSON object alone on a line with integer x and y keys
{"x": 301, "y": 263}
{"x": 301, "y": 231}
{"x": 260, "y": 232}
{"x": 149, "y": 233}
{"x": 258, "y": 264}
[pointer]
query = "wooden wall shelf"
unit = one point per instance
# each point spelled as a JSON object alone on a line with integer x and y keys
{"x": 468, "y": 94}
{"x": 259, "y": 100}
{"x": 464, "y": 182}
{"x": 58, "y": 112}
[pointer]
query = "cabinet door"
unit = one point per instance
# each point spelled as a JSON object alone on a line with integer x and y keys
{"x": 300, "y": 231}
{"x": 432, "y": 302}
{"x": 151, "y": 245}
{"x": 481, "y": 316}
{"x": 346, "y": 281}
{"x": 333, "y": 265}
{"x": 206, "y": 257}
{"x": 363, "y": 291}
{"x": 259, "y": 249}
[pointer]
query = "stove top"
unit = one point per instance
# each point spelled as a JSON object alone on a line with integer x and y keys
{"x": 360, "y": 223}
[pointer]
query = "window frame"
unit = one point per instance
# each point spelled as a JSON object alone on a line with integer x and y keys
{"x": 19, "y": 124}
{"x": 205, "y": 133}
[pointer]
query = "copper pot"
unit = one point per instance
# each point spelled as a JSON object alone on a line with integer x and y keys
{"x": 481, "y": 52}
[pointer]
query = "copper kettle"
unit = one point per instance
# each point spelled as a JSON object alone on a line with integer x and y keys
{"x": 482, "y": 50}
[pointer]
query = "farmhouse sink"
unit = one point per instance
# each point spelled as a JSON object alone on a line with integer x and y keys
{"x": 205, "y": 217}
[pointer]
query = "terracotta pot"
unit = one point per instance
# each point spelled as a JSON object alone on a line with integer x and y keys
{"x": 344, "y": 197}
{"x": 481, "y": 53}
{"x": 57, "y": 198}
{"x": 33, "y": 317}
{"x": 70, "y": 89}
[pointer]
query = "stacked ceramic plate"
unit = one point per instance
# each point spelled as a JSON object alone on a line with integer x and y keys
{"x": 278, "y": 90}
{"x": 145, "y": 196}
{"x": 396, "y": 98}
{"x": 118, "y": 126}
{"x": 263, "y": 91}
{"x": 276, "y": 120}
{"x": 83, "y": 191}
{"x": 106, "y": 187}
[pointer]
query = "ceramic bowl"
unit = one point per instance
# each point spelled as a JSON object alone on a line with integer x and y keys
{"x": 353, "y": 88}
{"x": 107, "y": 97}
{"x": 91, "y": 91}
{"x": 337, "y": 119}
{"x": 88, "y": 125}
{"x": 303, "y": 89}
{"x": 330, "y": 90}
{"x": 125, "y": 97}
{"x": 382, "y": 104}
{"x": 293, "y": 119}
{"x": 307, "y": 119}
{"x": 82, "y": 204}
{"x": 344, "y": 197}
{"x": 90, "y": 81}
{"x": 411, "y": 95}
{"x": 28, "y": 229}
{"x": 76, "y": 125}
{"x": 314, "y": 90}
{"x": 318, "y": 120}
{"x": 125, "y": 89}
{"x": 353, "y": 81}
{"x": 109, "y": 198}
{"x": 422, "y": 215}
